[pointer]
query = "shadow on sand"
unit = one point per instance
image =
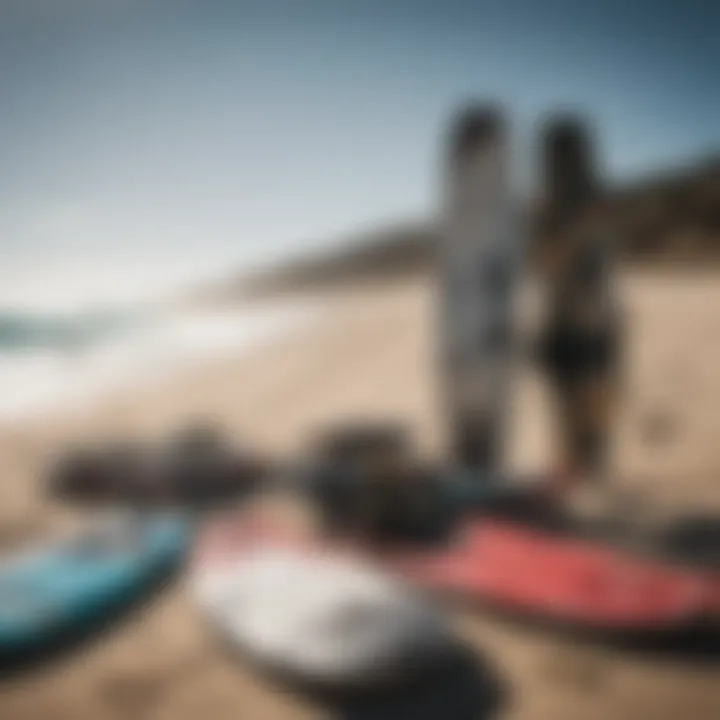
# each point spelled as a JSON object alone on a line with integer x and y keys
{"x": 464, "y": 687}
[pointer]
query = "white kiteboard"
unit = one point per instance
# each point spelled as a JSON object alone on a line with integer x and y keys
{"x": 481, "y": 254}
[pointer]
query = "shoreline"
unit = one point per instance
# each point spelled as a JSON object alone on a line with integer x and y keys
{"x": 51, "y": 380}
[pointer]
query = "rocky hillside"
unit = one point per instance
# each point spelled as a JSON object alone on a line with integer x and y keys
{"x": 673, "y": 217}
{"x": 668, "y": 218}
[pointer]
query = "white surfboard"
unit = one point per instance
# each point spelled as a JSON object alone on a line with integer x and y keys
{"x": 326, "y": 620}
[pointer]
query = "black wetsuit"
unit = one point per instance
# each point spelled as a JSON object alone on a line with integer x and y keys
{"x": 572, "y": 353}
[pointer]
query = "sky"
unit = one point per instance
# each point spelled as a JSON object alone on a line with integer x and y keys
{"x": 191, "y": 135}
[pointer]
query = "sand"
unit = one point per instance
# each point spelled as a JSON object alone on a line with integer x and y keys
{"x": 372, "y": 355}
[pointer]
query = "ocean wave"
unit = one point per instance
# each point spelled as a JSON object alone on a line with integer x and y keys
{"x": 48, "y": 362}
{"x": 23, "y": 331}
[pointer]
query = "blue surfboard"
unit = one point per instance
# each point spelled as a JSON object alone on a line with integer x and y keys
{"x": 51, "y": 597}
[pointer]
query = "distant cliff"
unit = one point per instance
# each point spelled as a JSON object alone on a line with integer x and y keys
{"x": 670, "y": 217}
{"x": 381, "y": 255}
{"x": 674, "y": 216}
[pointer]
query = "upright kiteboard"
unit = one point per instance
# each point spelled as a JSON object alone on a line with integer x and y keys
{"x": 480, "y": 261}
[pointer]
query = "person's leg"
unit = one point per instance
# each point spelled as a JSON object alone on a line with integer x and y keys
{"x": 564, "y": 472}
{"x": 595, "y": 413}
{"x": 586, "y": 431}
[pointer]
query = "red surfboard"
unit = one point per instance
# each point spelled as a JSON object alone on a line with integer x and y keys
{"x": 565, "y": 579}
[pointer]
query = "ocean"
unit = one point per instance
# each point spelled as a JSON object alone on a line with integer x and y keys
{"x": 60, "y": 346}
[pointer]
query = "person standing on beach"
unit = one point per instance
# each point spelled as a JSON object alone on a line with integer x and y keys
{"x": 579, "y": 347}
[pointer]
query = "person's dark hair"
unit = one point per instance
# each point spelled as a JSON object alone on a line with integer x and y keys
{"x": 569, "y": 167}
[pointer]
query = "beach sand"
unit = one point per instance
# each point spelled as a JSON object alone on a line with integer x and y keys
{"x": 372, "y": 355}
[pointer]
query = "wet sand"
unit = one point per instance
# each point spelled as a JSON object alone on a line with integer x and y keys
{"x": 373, "y": 356}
